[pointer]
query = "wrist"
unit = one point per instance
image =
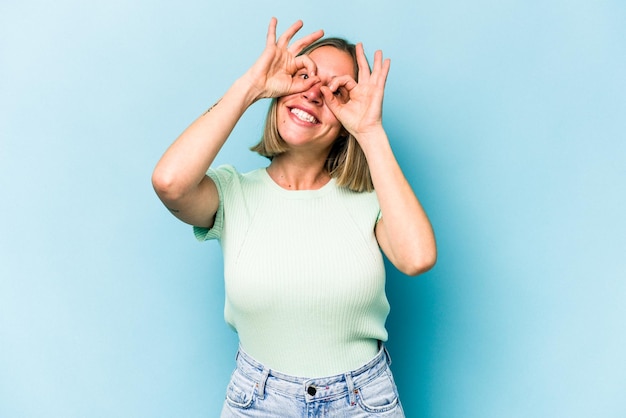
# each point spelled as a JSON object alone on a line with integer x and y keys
{"x": 246, "y": 84}
{"x": 372, "y": 139}
{"x": 371, "y": 134}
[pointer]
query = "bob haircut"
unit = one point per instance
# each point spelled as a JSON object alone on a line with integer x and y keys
{"x": 346, "y": 161}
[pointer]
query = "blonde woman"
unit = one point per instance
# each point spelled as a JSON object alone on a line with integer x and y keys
{"x": 302, "y": 237}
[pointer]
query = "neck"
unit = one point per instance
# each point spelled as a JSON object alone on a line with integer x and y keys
{"x": 298, "y": 174}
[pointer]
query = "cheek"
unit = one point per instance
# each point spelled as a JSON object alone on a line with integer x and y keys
{"x": 281, "y": 116}
{"x": 282, "y": 112}
{"x": 334, "y": 122}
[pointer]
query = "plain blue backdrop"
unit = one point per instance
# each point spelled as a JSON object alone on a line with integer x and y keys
{"x": 508, "y": 118}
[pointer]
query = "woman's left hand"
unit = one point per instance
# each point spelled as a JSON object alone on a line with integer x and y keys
{"x": 358, "y": 105}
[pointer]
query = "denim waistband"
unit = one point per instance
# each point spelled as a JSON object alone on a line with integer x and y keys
{"x": 313, "y": 389}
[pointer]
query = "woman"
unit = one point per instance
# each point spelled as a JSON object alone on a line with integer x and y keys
{"x": 301, "y": 239}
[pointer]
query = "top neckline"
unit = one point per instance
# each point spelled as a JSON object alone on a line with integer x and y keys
{"x": 303, "y": 193}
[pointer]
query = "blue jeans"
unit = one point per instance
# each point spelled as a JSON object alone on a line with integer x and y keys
{"x": 256, "y": 391}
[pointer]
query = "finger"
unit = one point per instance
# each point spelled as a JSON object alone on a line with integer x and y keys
{"x": 342, "y": 81}
{"x": 378, "y": 59}
{"x": 304, "y": 80}
{"x": 334, "y": 104}
{"x": 299, "y": 85}
{"x": 378, "y": 65}
{"x": 284, "y": 39}
{"x": 381, "y": 68}
{"x": 300, "y": 44}
{"x": 330, "y": 100}
{"x": 364, "y": 68}
{"x": 271, "y": 32}
{"x": 385, "y": 70}
{"x": 304, "y": 61}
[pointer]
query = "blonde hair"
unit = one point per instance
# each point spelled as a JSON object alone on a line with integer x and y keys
{"x": 346, "y": 162}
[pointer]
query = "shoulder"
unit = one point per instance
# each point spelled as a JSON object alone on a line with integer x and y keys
{"x": 361, "y": 197}
{"x": 227, "y": 177}
{"x": 223, "y": 173}
{"x": 227, "y": 172}
{"x": 363, "y": 203}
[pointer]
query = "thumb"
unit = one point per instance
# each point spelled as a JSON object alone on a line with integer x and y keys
{"x": 299, "y": 85}
{"x": 331, "y": 101}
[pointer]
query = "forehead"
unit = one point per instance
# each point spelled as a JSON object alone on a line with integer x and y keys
{"x": 332, "y": 62}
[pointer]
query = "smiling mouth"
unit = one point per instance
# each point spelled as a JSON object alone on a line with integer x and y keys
{"x": 303, "y": 116}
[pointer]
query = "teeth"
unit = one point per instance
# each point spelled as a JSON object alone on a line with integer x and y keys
{"x": 302, "y": 115}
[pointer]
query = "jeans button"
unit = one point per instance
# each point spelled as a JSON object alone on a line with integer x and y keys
{"x": 311, "y": 390}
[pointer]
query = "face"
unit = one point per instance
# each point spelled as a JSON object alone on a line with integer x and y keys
{"x": 303, "y": 119}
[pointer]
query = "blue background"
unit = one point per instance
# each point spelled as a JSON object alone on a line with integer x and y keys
{"x": 507, "y": 117}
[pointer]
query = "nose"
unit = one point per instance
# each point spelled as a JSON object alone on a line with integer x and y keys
{"x": 314, "y": 94}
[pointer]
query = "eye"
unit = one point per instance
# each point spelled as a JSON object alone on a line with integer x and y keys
{"x": 304, "y": 76}
{"x": 341, "y": 93}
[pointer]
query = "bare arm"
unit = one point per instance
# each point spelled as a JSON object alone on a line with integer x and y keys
{"x": 179, "y": 177}
{"x": 404, "y": 233}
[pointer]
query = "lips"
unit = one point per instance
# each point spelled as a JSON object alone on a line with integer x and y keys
{"x": 303, "y": 115}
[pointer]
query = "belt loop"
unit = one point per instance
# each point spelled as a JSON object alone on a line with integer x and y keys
{"x": 351, "y": 390}
{"x": 388, "y": 356}
{"x": 261, "y": 384}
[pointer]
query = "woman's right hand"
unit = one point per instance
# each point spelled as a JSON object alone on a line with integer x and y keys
{"x": 277, "y": 72}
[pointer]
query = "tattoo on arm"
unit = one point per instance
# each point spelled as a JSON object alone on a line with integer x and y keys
{"x": 211, "y": 108}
